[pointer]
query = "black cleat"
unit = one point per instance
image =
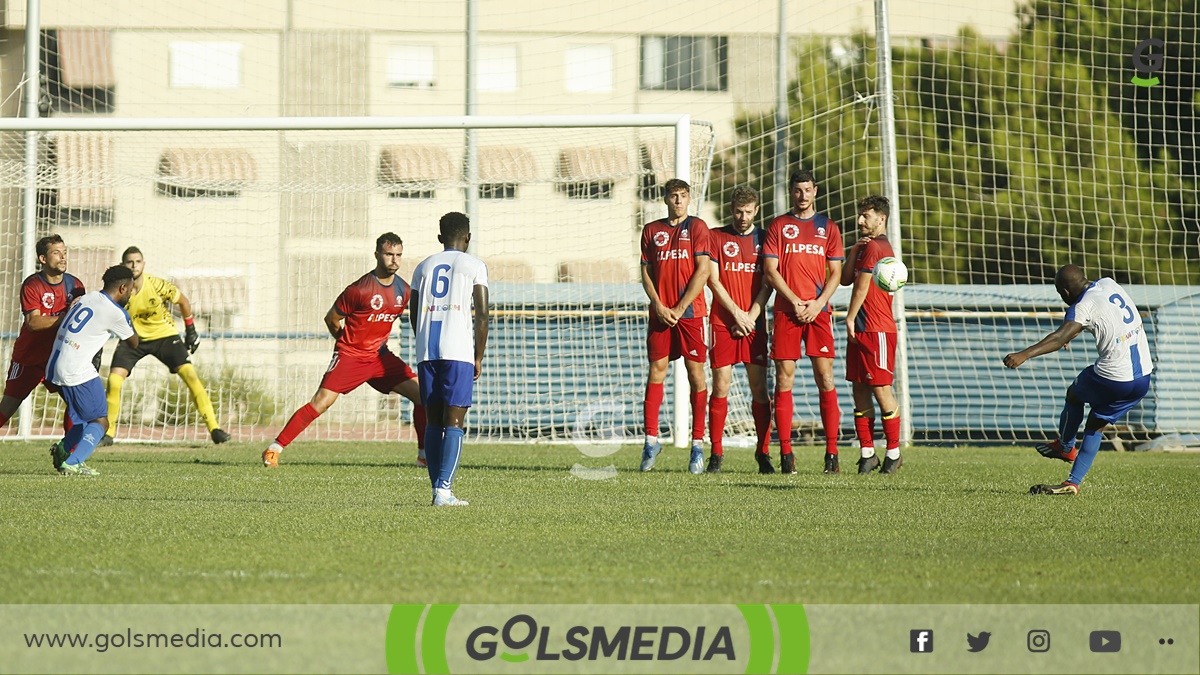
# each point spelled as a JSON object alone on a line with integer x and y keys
{"x": 831, "y": 463}
{"x": 764, "y": 463}
{"x": 58, "y": 455}
{"x": 868, "y": 464}
{"x": 714, "y": 463}
{"x": 219, "y": 436}
{"x": 890, "y": 466}
{"x": 787, "y": 463}
{"x": 1060, "y": 489}
{"x": 105, "y": 441}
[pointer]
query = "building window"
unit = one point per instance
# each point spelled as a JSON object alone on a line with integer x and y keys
{"x": 206, "y": 65}
{"x": 414, "y": 171}
{"x": 589, "y": 69}
{"x": 207, "y": 173}
{"x": 78, "y": 70}
{"x": 81, "y": 167}
{"x": 590, "y": 172}
{"x": 411, "y": 66}
{"x": 497, "y": 69}
{"x": 502, "y": 169}
{"x": 498, "y": 191}
{"x": 684, "y": 63}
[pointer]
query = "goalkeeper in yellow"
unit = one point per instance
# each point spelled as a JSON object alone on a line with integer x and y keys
{"x": 150, "y": 310}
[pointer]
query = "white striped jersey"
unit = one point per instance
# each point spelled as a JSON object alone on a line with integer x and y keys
{"x": 82, "y": 333}
{"x": 1108, "y": 313}
{"x": 443, "y": 288}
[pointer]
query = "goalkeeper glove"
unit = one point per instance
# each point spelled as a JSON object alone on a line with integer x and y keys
{"x": 191, "y": 339}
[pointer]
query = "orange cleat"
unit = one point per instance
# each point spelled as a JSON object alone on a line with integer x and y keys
{"x": 270, "y": 458}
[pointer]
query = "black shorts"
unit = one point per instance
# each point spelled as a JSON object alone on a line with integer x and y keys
{"x": 170, "y": 351}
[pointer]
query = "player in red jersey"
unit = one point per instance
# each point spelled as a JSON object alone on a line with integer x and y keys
{"x": 45, "y": 296}
{"x": 675, "y": 266}
{"x": 739, "y": 326}
{"x": 361, "y": 320}
{"x": 871, "y": 343}
{"x": 802, "y": 261}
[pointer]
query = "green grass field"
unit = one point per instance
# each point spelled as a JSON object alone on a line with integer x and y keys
{"x": 350, "y": 523}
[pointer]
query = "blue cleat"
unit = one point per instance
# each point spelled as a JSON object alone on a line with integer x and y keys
{"x": 696, "y": 462}
{"x": 649, "y": 454}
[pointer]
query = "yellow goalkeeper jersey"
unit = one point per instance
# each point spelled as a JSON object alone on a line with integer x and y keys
{"x": 150, "y": 309}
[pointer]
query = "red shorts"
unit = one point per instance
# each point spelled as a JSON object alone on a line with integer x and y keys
{"x": 728, "y": 350}
{"x": 22, "y": 379}
{"x": 383, "y": 373}
{"x": 871, "y": 359}
{"x": 788, "y": 333}
{"x": 685, "y": 338}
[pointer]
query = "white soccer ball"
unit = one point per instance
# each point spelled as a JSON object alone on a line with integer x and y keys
{"x": 890, "y": 274}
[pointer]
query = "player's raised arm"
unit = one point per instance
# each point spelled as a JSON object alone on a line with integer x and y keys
{"x": 38, "y": 321}
{"x": 479, "y": 295}
{"x": 1051, "y": 343}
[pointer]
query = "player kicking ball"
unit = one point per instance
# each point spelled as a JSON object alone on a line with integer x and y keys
{"x": 739, "y": 325}
{"x": 360, "y": 320}
{"x": 450, "y": 344}
{"x": 82, "y": 333}
{"x": 1115, "y": 383}
{"x": 871, "y": 339}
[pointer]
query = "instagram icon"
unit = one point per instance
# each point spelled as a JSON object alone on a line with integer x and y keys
{"x": 1038, "y": 640}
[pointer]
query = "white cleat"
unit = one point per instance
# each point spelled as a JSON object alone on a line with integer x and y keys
{"x": 447, "y": 498}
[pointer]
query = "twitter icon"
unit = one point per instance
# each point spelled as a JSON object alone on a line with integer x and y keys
{"x": 977, "y": 643}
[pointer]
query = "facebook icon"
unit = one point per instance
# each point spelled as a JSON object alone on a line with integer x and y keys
{"x": 920, "y": 641}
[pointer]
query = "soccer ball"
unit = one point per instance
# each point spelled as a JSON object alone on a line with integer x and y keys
{"x": 890, "y": 274}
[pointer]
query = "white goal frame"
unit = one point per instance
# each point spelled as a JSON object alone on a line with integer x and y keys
{"x": 680, "y": 122}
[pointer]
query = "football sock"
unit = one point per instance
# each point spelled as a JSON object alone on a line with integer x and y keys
{"x": 762, "y": 425}
{"x": 451, "y": 451}
{"x": 718, "y": 409}
{"x": 783, "y": 420}
{"x": 434, "y": 436}
{"x": 419, "y": 422}
{"x": 1069, "y": 421}
{"x": 864, "y": 427}
{"x": 891, "y": 430}
{"x": 298, "y": 423}
{"x": 203, "y": 404}
{"x": 831, "y": 419}
{"x": 699, "y": 405}
{"x": 1087, "y": 454}
{"x": 115, "y": 382}
{"x": 893, "y": 453}
{"x": 72, "y": 438}
{"x": 90, "y": 436}
{"x": 654, "y": 399}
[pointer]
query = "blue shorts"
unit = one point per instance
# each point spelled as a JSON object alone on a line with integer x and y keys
{"x": 85, "y": 402}
{"x": 446, "y": 383}
{"x": 1109, "y": 400}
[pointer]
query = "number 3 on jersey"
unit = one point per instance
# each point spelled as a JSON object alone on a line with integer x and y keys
{"x": 1117, "y": 300}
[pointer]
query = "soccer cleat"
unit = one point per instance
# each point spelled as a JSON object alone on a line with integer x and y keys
{"x": 58, "y": 455}
{"x": 650, "y": 454}
{"x": 77, "y": 470}
{"x": 831, "y": 463}
{"x": 764, "y": 463}
{"x": 696, "y": 461}
{"x": 868, "y": 464}
{"x": 1060, "y": 489}
{"x": 270, "y": 458}
{"x": 787, "y": 463}
{"x": 219, "y": 436}
{"x": 105, "y": 441}
{"x": 890, "y": 466}
{"x": 714, "y": 463}
{"x": 447, "y": 498}
{"x": 1053, "y": 450}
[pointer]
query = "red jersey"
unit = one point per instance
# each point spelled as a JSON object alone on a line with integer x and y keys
{"x": 370, "y": 309}
{"x": 670, "y": 254}
{"x": 803, "y": 248}
{"x": 875, "y": 316}
{"x": 738, "y": 258}
{"x": 34, "y": 347}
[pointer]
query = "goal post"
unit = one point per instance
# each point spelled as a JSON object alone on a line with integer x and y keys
{"x": 597, "y": 171}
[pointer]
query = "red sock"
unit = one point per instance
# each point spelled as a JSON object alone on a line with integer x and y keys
{"x": 419, "y": 424}
{"x": 718, "y": 410}
{"x": 654, "y": 397}
{"x": 831, "y": 419}
{"x": 699, "y": 408}
{"x": 784, "y": 408}
{"x": 67, "y": 423}
{"x": 762, "y": 425}
{"x": 865, "y": 427}
{"x": 299, "y": 422}
{"x": 891, "y": 429}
